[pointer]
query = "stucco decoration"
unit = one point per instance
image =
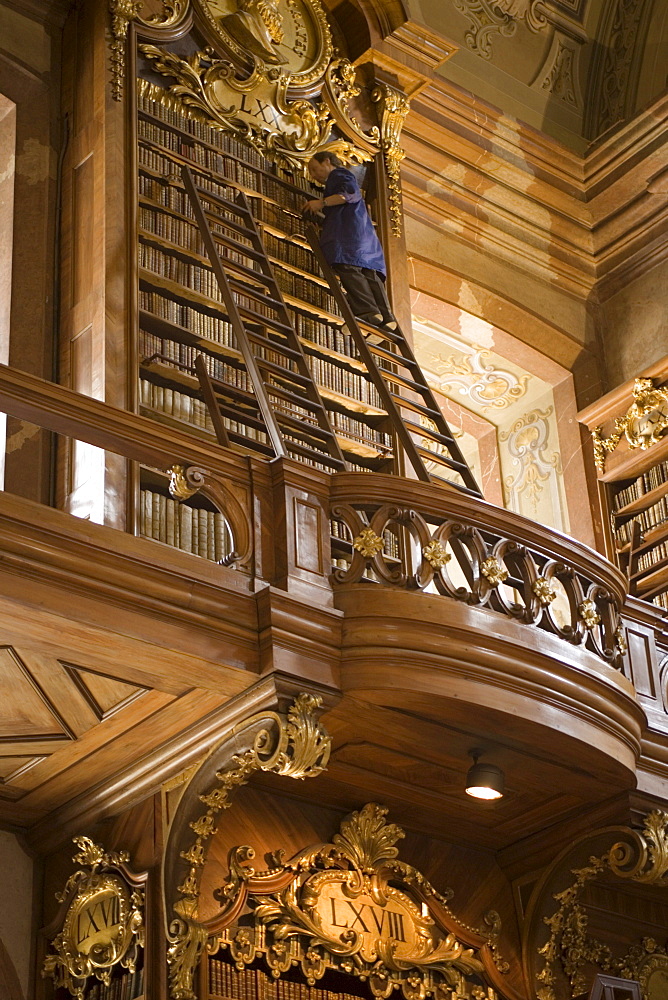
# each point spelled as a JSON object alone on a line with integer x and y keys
{"x": 476, "y": 377}
{"x": 499, "y": 17}
{"x": 559, "y": 73}
{"x": 533, "y": 489}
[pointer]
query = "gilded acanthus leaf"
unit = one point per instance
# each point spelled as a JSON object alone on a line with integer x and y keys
{"x": 366, "y": 839}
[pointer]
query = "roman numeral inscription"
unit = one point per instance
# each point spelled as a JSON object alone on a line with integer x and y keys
{"x": 99, "y": 916}
{"x": 367, "y": 918}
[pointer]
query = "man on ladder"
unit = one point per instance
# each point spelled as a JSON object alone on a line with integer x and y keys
{"x": 349, "y": 242}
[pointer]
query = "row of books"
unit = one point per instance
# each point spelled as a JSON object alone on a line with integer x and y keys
{"x": 182, "y": 357}
{"x": 172, "y": 228}
{"x": 661, "y": 600}
{"x": 254, "y": 984}
{"x": 192, "y": 529}
{"x": 357, "y": 430}
{"x": 192, "y": 410}
{"x": 291, "y": 252}
{"x": 309, "y": 291}
{"x": 334, "y": 338}
{"x": 650, "y": 480}
{"x": 124, "y": 987}
{"x": 646, "y": 560}
{"x": 198, "y": 130}
{"x": 201, "y": 323}
{"x": 344, "y": 382}
{"x": 175, "y": 404}
{"x": 166, "y": 161}
{"x": 654, "y": 516}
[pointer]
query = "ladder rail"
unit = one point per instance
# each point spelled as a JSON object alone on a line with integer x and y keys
{"x": 235, "y": 319}
{"x": 456, "y": 460}
{"x": 277, "y": 318}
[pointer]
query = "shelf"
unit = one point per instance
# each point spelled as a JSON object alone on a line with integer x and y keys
{"x": 219, "y": 150}
{"x": 642, "y": 503}
{"x": 348, "y": 403}
{"x": 167, "y": 330}
{"x": 645, "y": 579}
{"x": 329, "y": 353}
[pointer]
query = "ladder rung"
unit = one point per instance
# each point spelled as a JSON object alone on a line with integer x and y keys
{"x": 219, "y": 199}
{"x": 257, "y": 276}
{"x": 304, "y": 426}
{"x": 235, "y": 244}
{"x": 434, "y": 456}
{"x": 281, "y": 372}
{"x": 418, "y": 407}
{"x": 430, "y": 432}
{"x": 320, "y": 456}
{"x": 249, "y": 442}
{"x": 395, "y": 359}
{"x": 292, "y": 397}
{"x": 261, "y": 320}
{"x": 405, "y": 381}
{"x": 273, "y": 345}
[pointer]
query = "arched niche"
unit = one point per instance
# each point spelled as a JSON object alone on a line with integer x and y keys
{"x": 291, "y": 744}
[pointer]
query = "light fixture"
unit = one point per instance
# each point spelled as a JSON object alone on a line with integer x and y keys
{"x": 484, "y": 781}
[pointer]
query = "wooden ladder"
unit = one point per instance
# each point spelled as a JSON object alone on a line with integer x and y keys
{"x": 285, "y": 409}
{"x": 401, "y": 384}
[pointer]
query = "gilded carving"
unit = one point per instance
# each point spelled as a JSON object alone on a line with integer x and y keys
{"x": 589, "y": 616}
{"x": 257, "y": 108}
{"x": 493, "y": 571}
{"x": 544, "y": 591}
{"x": 103, "y": 924}
{"x": 368, "y": 544}
{"x": 643, "y": 424}
{"x": 642, "y": 857}
{"x": 183, "y": 484}
{"x": 394, "y": 106}
{"x": 349, "y": 905}
{"x": 435, "y": 554}
{"x": 298, "y": 747}
{"x": 122, "y": 13}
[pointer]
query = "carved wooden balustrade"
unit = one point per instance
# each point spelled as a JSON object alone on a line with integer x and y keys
{"x": 402, "y": 534}
{"x": 387, "y": 531}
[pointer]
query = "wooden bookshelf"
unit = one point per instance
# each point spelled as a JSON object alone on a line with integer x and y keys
{"x": 182, "y": 314}
{"x": 634, "y": 495}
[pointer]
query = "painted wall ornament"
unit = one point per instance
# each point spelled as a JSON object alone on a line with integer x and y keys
{"x": 476, "y": 376}
{"x": 351, "y": 905}
{"x": 103, "y": 922}
{"x": 537, "y": 469}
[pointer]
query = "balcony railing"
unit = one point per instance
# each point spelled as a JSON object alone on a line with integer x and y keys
{"x": 386, "y": 531}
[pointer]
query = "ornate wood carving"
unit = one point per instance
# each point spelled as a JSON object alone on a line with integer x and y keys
{"x": 352, "y": 906}
{"x": 642, "y": 425}
{"x": 295, "y": 746}
{"x": 103, "y": 923}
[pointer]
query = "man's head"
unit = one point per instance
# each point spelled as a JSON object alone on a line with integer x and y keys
{"x": 321, "y": 165}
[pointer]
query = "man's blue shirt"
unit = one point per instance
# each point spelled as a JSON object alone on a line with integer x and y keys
{"x": 347, "y": 235}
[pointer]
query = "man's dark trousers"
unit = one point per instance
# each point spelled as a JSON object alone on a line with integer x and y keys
{"x": 365, "y": 289}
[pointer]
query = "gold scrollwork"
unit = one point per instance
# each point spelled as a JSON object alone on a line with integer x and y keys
{"x": 295, "y": 746}
{"x": 544, "y": 591}
{"x": 207, "y": 90}
{"x": 103, "y": 924}
{"x": 588, "y": 615}
{"x": 642, "y": 857}
{"x": 351, "y": 905}
{"x": 122, "y": 13}
{"x": 435, "y": 554}
{"x": 394, "y": 106}
{"x": 643, "y": 423}
{"x": 185, "y": 482}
